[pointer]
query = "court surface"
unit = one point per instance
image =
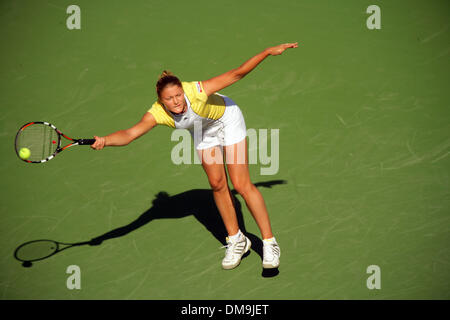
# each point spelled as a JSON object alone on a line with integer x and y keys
{"x": 363, "y": 175}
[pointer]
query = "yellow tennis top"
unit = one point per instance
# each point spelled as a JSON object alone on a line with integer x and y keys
{"x": 212, "y": 107}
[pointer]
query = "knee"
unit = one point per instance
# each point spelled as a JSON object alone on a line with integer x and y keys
{"x": 218, "y": 183}
{"x": 243, "y": 187}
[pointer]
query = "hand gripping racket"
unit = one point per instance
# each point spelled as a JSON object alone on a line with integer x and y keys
{"x": 43, "y": 140}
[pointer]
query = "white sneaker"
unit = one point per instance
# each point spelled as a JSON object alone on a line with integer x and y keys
{"x": 271, "y": 254}
{"x": 234, "y": 252}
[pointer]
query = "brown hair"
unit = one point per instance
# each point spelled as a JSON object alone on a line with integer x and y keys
{"x": 166, "y": 78}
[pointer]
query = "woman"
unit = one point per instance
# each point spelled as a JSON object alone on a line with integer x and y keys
{"x": 219, "y": 132}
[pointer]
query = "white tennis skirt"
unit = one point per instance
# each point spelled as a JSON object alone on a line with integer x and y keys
{"x": 226, "y": 131}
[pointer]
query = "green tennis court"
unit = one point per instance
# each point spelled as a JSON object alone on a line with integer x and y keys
{"x": 364, "y": 139}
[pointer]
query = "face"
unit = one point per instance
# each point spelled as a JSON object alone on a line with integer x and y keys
{"x": 172, "y": 97}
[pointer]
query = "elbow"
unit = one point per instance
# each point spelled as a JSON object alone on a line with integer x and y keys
{"x": 238, "y": 74}
{"x": 128, "y": 138}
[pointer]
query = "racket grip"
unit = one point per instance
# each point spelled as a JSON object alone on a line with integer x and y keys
{"x": 82, "y": 142}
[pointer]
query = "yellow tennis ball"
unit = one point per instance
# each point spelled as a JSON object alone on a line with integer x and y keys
{"x": 24, "y": 153}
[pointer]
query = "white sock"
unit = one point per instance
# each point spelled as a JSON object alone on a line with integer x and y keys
{"x": 270, "y": 240}
{"x": 238, "y": 236}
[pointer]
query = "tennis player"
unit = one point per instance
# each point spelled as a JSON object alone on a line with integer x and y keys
{"x": 222, "y": 135}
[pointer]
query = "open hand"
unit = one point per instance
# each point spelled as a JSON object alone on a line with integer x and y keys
{"x": 277, "y": 50}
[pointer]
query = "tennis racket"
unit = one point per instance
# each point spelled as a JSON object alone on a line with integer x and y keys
{"x": 43, "y": 140}
{"x": 41, "y": 249}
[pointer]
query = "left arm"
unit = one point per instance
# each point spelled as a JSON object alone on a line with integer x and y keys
{"x": 228, "y": 78}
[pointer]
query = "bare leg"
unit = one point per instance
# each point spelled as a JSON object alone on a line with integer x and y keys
{"x": 217, "y": 177}
{"x": 237, "y": 164}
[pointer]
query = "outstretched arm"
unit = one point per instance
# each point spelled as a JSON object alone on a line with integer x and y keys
{"x": 124, "y": 137}
{"x": 228, "y": 78}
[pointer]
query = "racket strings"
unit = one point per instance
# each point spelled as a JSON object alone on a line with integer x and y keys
{"x": 40, "y": 139}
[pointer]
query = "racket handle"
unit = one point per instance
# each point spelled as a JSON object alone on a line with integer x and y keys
{"x": 85, "y": 142}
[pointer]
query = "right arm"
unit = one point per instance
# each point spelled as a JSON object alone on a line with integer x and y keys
{"x": 124, "y": 137}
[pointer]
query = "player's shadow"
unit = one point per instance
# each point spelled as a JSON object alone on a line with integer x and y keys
{"x": 199, "y": 203}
